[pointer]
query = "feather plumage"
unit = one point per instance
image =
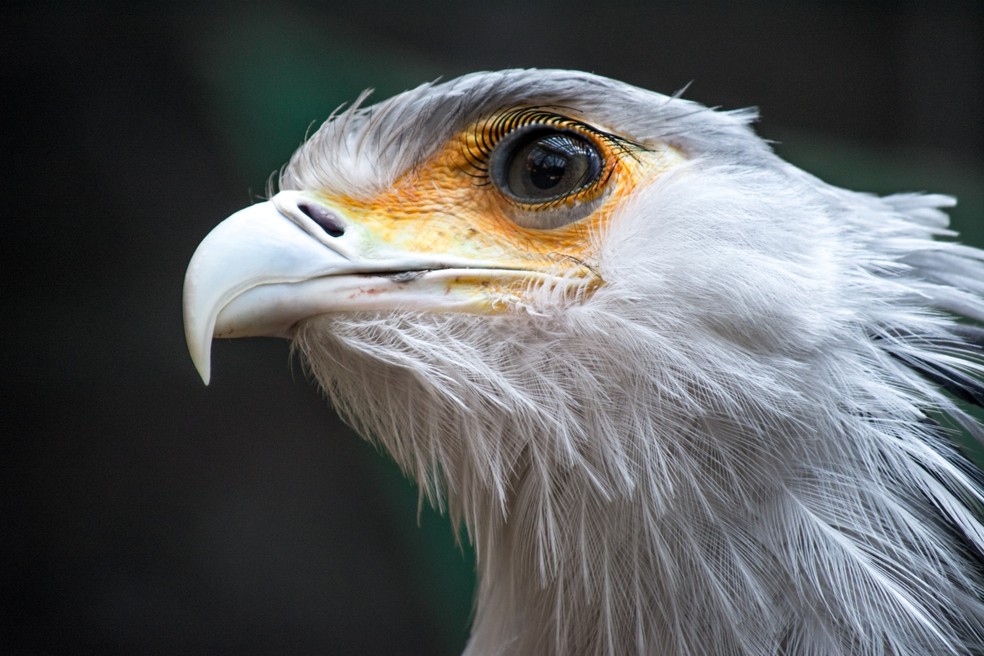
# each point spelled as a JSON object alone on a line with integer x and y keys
{"x": 730, "y": 446}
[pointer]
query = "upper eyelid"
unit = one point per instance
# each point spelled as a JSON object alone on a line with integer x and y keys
{"x": 487, "y": 132}
{"x": 491, "y": 129}
{"x": 478, "y": 141}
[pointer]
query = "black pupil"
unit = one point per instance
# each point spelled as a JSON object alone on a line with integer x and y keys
{"x": 545, "y": 164}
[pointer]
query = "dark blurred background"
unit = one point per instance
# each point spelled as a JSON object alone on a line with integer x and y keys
{"x": 143, "y": 513}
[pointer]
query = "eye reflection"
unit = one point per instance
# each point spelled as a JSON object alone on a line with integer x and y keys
{"x": 544, "y": 164}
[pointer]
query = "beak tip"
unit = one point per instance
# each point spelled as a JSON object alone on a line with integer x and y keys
{"x": 201, "y": 357}
{"x": 198, "y": 337}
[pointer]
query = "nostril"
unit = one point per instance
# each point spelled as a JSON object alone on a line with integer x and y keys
{"x": 325, "y": 218}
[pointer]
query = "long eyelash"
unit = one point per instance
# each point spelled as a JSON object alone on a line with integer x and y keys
{"x": 486, "y": 134}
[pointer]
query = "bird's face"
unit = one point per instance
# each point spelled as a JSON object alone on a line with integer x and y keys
{"x": 504, "y": 215}
{"x": 496, "y": 271}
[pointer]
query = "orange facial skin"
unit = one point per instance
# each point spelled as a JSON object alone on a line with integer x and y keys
{"x": 449, "y": 205}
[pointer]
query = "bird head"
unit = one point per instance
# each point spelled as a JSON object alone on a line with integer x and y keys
{"x": 621, "y": 340}
{"x": 504, "y": 230}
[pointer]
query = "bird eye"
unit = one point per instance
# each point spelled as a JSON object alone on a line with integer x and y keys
{"x": 540, "y": 164}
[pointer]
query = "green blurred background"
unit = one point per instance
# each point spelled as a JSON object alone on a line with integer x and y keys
{"x": 143, "y": 513}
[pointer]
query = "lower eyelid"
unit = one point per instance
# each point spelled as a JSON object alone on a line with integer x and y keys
{"x": 562, "y": 213}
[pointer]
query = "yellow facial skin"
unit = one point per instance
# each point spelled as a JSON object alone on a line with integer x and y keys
{"x": 442, "y": 238}
{"x": 446, "y": 205}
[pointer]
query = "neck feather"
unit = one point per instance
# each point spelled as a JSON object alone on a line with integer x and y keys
{"x": 619, "y": 506}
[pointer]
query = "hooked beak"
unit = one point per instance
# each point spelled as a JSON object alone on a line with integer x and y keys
{"x": 271, "y": 265}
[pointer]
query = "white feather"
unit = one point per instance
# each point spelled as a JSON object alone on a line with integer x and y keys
{"x": 722, "y": 450}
